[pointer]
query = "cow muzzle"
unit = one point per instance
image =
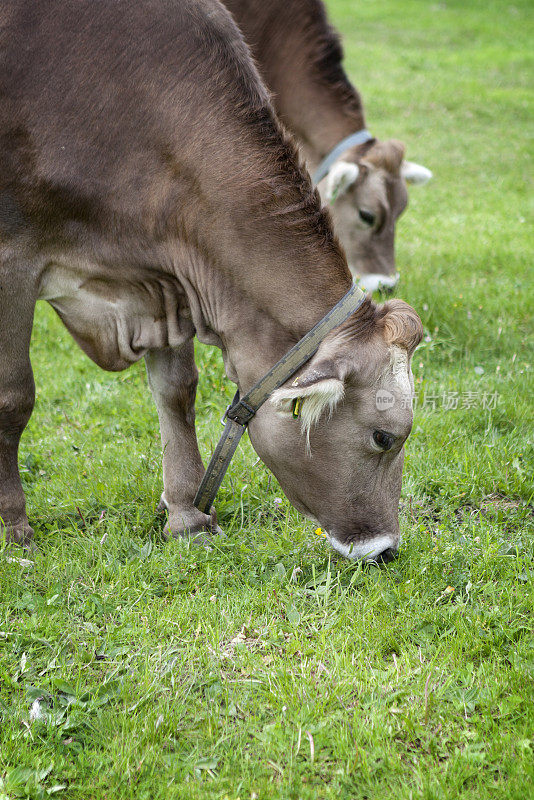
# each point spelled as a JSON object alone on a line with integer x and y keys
{"x": 381, "y": 549}
{"x": 372, "y": 282}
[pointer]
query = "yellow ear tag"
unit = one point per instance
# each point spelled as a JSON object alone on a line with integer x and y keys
{"x": 296, "y": 407}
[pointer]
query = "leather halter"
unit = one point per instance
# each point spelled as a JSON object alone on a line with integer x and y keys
{"x": 242, "y": 410}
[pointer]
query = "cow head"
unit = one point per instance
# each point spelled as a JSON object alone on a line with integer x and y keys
{"x": 334, "y": 434}
{"x": 368, "y": 193}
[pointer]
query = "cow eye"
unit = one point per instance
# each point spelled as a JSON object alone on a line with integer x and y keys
{"x": 383, "y": 440}
{"x": 367, "y": 216}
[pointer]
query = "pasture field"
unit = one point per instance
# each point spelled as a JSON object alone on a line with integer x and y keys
{"x": 270, "y": 668}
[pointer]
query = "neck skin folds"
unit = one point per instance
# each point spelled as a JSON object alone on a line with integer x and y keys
{"x": 255, "y": 251}
{"x": 255, "y": 319}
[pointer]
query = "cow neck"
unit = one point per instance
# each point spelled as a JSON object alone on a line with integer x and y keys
{"x": 323, "y": 115}
{"x": 319, "y": 111}
{"x": 301, "y": 60}
{"x": 271, "y": 264}
{"x": 255, "y": 326}
{"x": 253, "y": 335}
{"x": 321, "y": 139}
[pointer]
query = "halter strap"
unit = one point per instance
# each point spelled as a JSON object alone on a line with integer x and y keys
{"x": 360, "y": 137}
{"x": 241, "y": 410}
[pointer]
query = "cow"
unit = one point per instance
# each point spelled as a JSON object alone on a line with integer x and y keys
{"x": 149, "y": 194}
{"x": 300, "y": 58}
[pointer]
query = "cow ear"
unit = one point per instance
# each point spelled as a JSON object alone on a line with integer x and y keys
{"x": 342, "y": 175}
{"x": 415, "y": 173}
{"x": 401, "y": 325}
{"x": 315, "y": 392}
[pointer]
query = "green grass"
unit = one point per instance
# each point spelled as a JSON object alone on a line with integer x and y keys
{"x": 269, "y": 668}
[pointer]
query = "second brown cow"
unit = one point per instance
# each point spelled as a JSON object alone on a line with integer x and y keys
{"x": 300, "y": 57}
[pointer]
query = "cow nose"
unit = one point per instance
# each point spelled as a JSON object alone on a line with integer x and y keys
{"x": 386, "y": 555}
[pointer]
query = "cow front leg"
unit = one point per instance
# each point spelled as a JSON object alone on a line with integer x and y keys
{"x": 173, "y": 378}
{"x": 17, "y": 397}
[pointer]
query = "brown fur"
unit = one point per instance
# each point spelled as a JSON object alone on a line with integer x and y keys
{"x": 149, "y": 194}
{"x": 362, "y": 325}
{"x": 325, "y": 53}
{"x": 301, "y": 58}
{"x": 401, "y": 325}
{"x": 387, "y": 155}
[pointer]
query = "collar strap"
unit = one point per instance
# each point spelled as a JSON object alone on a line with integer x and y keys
{"x": 241, "y": 410}
{"x": 360, "y": 137}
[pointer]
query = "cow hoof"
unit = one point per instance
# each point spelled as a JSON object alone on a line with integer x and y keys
{"x": 197, "y": 538}
{"x": 20, "y": 534}
{"x": 192, "y": 526}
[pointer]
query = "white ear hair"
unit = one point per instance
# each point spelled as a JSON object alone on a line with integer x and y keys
{"x": 341, "y": 176}
{"x": 317, "y": 398}
{"x": 415, "y": 173}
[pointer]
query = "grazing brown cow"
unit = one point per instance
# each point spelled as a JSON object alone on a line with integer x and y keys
{"x": 149, "y": 194}
{"x": 300, "y": 58}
